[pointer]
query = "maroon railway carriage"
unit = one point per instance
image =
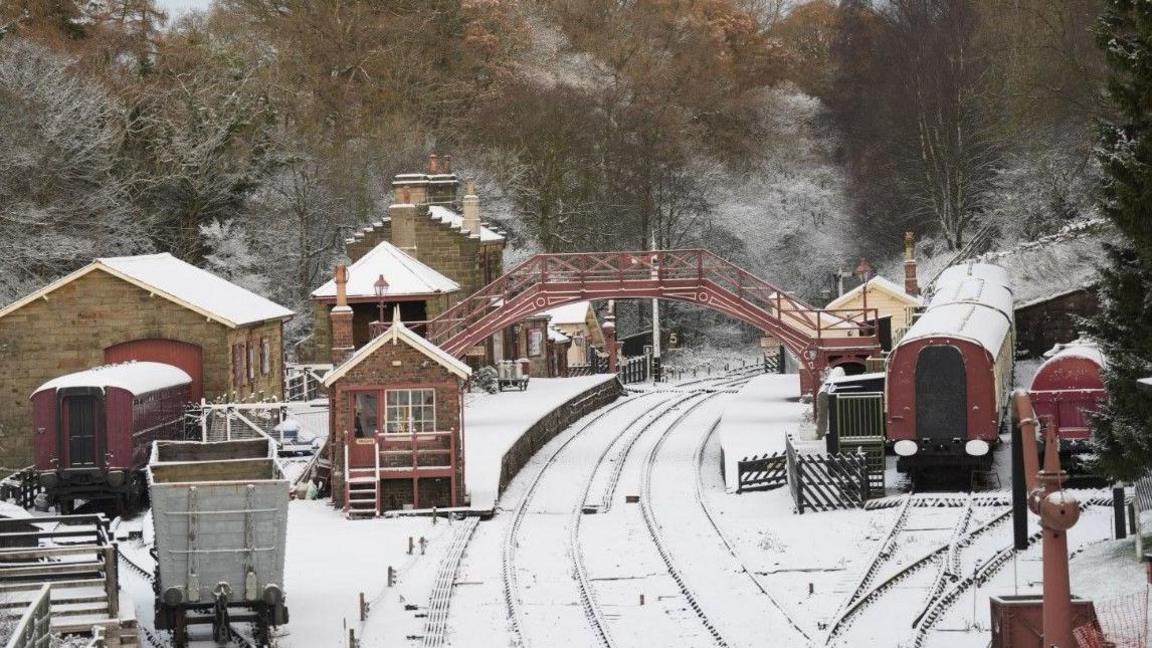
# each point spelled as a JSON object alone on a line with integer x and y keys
{"x": 1068, "y": 387}
{"x": 94, "y": 429}
{"x": 949, "y": 377}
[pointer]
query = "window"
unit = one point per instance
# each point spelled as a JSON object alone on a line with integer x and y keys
{"x": 265, "y": 356}
{"x": 411, "y": 410}
{"x": 251, "y": 363}
{"x": 365, "y": 417}
{"x": 535, "y": 342}
{"x": 237, "y": 365}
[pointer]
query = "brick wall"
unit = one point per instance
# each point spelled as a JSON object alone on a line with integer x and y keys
{"x": 415, "y": 371}
{"x": 70, "y": 329}
{"x": 1041, "y": 326}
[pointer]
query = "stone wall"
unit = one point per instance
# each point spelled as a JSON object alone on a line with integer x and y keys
{"x": 69, "y": 329}
{"x": 380, "y": 371}
{"x": 551, "y": 424}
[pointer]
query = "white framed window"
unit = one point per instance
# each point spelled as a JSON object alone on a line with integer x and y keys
{"x": 265, "y": 356}
{"x": 410, "y": 410}
{"x": 251, "y": 362}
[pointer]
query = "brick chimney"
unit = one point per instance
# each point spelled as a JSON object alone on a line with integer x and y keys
{"x": 404, "y": 214}
{"x": 341, "y": 315}
{"x": 471, "y": 223}
{"x": 442, "y": 182}
{"x": 415, "y": 183}
{"x": 911, "y": 285}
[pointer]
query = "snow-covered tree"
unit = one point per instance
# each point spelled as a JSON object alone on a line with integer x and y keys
{"x": 1124, "y": 427}
{"x": 62, "y": 198}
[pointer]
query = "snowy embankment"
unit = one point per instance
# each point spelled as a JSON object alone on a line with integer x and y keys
{"x": 494, "y": 423}
{"x": 758, "y": 420}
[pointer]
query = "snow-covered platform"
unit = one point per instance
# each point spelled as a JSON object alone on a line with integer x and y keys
{"x": 497, "y": 426}
{"x": 758, "y": 420}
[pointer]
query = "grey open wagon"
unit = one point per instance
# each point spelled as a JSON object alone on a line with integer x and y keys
{"x": 220, "y": 511}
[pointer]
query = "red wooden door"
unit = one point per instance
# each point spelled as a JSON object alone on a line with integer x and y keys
{"x": 188, "y": 357}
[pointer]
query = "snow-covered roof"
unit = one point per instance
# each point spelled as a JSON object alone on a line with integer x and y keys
{"x": 135, "y": 377}
{"x": 1078, "y": 348}
{"x": 177, "y": 281}
{"x": 1146, "y": 382}
{"x": 399, "y": 333}
{"x": 1052, "y": 266}
{"x": 557, "y": 336}
{"x": 971, "y": 301}
{"x": 445, "y": 215}
{"x": 973, "y": 322}
{"x": 875, "y": 283}
{"x": 406, "y": 276}
{"x": 575, "y": 313}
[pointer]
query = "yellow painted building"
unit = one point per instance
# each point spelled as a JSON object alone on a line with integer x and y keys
{"x": 578, "y": 322}
{"x": 895, "y": 308}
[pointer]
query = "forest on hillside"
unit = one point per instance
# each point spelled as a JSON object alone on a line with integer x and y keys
{"x": 791, "y": 137}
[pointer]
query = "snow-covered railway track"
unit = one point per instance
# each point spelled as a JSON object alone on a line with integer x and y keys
{"x": 698, "y": 464}
{"x": 982, "y": 574}
{"x": 436, "y": 623}
{"x": 657, "y": 536}
{"x": 945, "y": 558}
{"x": 511, "y": 566}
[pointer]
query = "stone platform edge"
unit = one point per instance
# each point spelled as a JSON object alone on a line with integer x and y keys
{"x": 549, "y": 425}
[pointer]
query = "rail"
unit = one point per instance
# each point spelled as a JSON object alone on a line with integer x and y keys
{"x": 510, "y": 580}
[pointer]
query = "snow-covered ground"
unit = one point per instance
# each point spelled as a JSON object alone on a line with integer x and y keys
{"x": 623, "y": 527}
{"x": 758, "y": 420}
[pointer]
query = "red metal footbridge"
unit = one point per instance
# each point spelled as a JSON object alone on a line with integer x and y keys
{"x": 818, "y": 338}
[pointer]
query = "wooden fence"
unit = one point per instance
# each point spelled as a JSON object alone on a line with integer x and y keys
{"x": 33, "y": 630}
{"x": 826, "y": 482}
{"x": 763, "y": 472}
{"x": 21, "y": 487}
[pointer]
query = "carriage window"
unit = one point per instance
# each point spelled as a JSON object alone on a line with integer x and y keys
{"x": 365, "y": 418}
{"x": 411, "y": 410}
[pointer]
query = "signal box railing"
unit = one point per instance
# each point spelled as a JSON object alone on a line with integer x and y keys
{"x": 404, "y": 452}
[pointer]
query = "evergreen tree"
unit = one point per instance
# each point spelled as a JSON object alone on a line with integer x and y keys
{"x": 1124, "y": 324}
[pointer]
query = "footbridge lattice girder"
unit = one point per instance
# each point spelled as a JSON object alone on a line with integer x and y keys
{"x": 699, "y": 277}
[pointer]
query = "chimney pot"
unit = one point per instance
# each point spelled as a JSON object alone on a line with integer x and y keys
{"x": 433, "y": 164}
{"x": 446, "y": 167}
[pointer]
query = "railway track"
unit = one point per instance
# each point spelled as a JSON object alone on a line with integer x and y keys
{"x": 986, "y": 571}
{"x": 698, "y": 462}
{"x": 945, "y": 557}
{"x": 657, "y": 536}
{"x": 436, "y": 623}
{"x": 510, "y": 580}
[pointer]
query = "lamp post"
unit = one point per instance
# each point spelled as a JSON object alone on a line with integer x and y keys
{"x": 381, "y": 288}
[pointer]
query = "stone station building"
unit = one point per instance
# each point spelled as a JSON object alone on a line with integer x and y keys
{"x": 147, "y": 308}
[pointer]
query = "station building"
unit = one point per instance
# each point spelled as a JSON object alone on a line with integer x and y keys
{"x": 396, "y": 403}
{"x": 148, "y": 308}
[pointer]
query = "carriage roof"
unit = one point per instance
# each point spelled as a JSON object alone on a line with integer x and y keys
{"x": 135, "y": 377}
{"x": 971, "y": 301}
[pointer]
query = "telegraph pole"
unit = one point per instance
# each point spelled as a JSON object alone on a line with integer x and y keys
{"x": 655, "y": 316}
